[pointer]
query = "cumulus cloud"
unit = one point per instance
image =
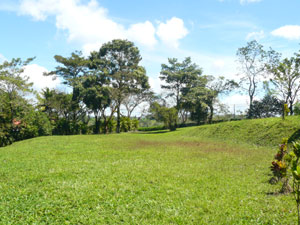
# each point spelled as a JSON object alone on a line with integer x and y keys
{"x": 143, "y": 33}
{"x": 90, "y": 24}
{"x": 35, "y": 74}
{"x": 172, "y": 31}
{"x": 291, "y": 32}
{"x": 256, "y": 35}
{"x": 2, "y": 58}
{"x": 155, "y": 84}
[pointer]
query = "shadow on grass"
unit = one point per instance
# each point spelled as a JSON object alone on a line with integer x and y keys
{"x": 153, "y": 132}
{"x": 274, "y": 193}
{"x": 294, "y": 137}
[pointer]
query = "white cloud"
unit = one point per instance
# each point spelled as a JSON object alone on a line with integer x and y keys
{"x": 144, "y": 33}
{"x": 90, "y": 24}
{"x": 249, "y": 1}
{"x": 172, "y": 31}
{"x": 155, "y": 84}
{"x": 2, "y": 58}
{"x": 256, "y": 35}
{"x": 218, "y": 64}
{"x": 35, "y": 74}
{"x": 236, "y": 102}
{"x": 291, "y": 32}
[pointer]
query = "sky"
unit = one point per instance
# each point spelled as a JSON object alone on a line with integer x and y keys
{"x": 209, "y": 31}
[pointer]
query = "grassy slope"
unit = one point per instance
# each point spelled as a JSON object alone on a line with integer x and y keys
{"x": 190, "y": 176}
{"x": 263, "y": 132}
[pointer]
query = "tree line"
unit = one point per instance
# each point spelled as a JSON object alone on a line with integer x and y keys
{"x": 111, "y": 81}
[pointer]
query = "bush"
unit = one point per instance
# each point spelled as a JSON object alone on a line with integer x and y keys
{"x": 127, "y": 124}
{"x": 297, "y": 108}
{"x": 32, "y": 125}
{"x": 135, "y": 124}
{"x": 151, "y": 128}
{"x": 5, "y": 138}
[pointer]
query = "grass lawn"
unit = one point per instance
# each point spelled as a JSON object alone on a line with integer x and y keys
{"x": 150, "y": 178}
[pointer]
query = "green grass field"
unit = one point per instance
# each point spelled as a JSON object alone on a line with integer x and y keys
{"x": 191, "y": 176}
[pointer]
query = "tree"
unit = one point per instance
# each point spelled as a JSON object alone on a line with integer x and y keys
{"x": 71, "y": 69}
{"x": 216, "y": 88}
{"x": 178, "y": 77}
{"x": 13, "y": 85}
{"x": 253, "y": 60}
{"x": 286, "y": 78}
{"x": 96, "y": 96}
{"x": 165, "y": 114}
{"x": 269, "y": 106}
{"x": 195, "y": 100}
{"x": 121, "y": 60}
{"x": 132, "y": 101}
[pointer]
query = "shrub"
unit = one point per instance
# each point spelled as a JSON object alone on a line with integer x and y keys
{"x": 297, "y": 108}
{"x": 5, "y": 138}
{"x": 151, "y": 128}
{"x": 135, "y": 124}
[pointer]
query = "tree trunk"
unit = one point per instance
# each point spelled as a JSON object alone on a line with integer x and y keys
{"x": 105, "y": 126}
{"x": 250, "y": 107}
{"x": 97, "y": 125}
{"x": 291, "y": 108}
{"x": 118, "y": 119}
{"x": 211, "y": 114}
{"x": 283, "y": 111}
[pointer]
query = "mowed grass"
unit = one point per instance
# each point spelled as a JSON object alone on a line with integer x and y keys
{"x": 263, "y": 132}
{"x": 150, "y": 178}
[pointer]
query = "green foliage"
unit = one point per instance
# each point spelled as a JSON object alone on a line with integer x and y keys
{"x": 254, "y": 62}
{"x": 135, "y": 124}
{"x": 179, "y": 77}
{"x": 279, "y": 166}
{"x": 286, "y": 110}
{"x": 297, "y": 108}
{"x": 33, "y": 124}
{"x": 286, "y": 78}
{"x": 156, "y": 128}
{"x": 269, "y": 106}
{"x": 120, "y": 60}
{"x": 165, "y": 114}
{"x": 125, "y": 124}
{"x": 111, "y": 126}
{"x": 288, "y": 162}
{"x": 128, "y": 124}
{"x": 72, "y": 69}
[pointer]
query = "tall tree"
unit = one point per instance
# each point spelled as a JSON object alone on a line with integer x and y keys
{"x": 96, "y": 97}
{"x": 253, "y": 59}
{"x": 121, "y": 64}
{"x": 13, "y": 85}
{"x": 164, "y": 114}
{"x": 71, "y": 69}
{"x": 178, "y": 77}
{"x": 286, "y": 78}
{"x": 215, "y": 88}
{"x": 194, "y": 100}
{"x": 269, "y": 106}
{"x": 132, "y": 101}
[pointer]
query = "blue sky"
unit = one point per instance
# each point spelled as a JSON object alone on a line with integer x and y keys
{"x": 209, "y": 31}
